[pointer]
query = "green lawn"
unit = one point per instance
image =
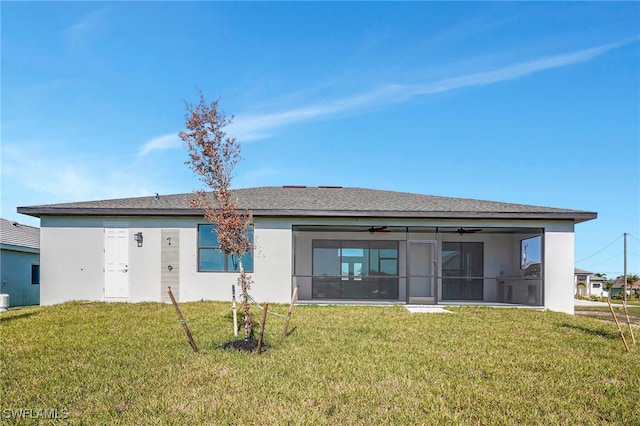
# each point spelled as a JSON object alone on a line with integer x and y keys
{"x": 101, "y": 363}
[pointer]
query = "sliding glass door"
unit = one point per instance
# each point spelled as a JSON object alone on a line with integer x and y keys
{"x": 355, "y": 269}
{"x": 462, "y": 271}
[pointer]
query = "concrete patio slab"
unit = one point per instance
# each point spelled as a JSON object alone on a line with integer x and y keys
{"x": 427, "y": 309}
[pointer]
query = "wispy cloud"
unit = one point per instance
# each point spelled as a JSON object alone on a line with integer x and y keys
{"x": 86, "y": 28}
{"x": 250, "y": 127}
{"x": 168, "y": 141}
{"x": 258, "y": 126}
{"x": 28, "y": 169}
{"x": 511, "y": 72}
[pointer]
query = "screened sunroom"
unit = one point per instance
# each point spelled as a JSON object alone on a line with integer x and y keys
{"x": 419, "y": 264}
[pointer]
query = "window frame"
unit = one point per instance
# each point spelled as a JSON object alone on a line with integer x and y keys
{"x": 227, "y": 262}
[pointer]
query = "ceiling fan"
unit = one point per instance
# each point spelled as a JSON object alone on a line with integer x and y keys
{"x": 374, "y": 229}
{"x": 462, "y": 231}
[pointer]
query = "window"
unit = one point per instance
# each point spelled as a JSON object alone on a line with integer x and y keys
{"x": 355, "y": 269}
{"x": 35, "y": 274}
{"x": 212, "y": 259}
{"x": 531, "y": 256}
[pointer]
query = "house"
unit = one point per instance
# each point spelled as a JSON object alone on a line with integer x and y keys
{"x": 588, "y": 284}
{"x": 20, "y": 263}
{"x": 335, "y": 244}
{"x": 633, "y": 287}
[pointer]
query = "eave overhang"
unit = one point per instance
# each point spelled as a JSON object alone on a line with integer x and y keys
{"x": 572, "y": 216}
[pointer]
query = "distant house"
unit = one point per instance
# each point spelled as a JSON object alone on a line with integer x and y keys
{"x": 618, "y": 287}
{"x": 335, "y": 244}
{"x": 20, "y": 263}
{"x": 588, "y": 284}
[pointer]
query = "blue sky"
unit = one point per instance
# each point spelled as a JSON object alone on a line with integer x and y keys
{"x": 533, "y": 103}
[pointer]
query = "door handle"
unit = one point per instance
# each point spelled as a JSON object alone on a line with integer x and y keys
{"x": 123, "y": 270}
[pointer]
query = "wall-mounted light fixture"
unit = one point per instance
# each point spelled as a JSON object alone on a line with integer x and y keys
{"x": 138, "y": 238}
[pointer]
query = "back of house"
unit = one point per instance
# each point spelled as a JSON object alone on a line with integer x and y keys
{"x": 335, "y": 244}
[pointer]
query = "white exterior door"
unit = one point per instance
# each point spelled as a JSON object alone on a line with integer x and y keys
{"x": 422, "y": 272}
{"x": 116, "y": 262}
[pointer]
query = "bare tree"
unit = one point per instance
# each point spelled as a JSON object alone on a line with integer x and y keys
{"x": 212, "y": 157}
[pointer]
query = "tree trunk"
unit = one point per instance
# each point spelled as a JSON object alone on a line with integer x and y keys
{"x": 242, "y": 280}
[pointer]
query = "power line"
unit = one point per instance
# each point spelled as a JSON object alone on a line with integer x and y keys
{"x": 605, "y": 260}
{"x": 599, "y": 251}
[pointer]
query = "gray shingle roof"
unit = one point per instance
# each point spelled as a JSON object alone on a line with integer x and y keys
{"x": 15, "y": 234}
{"x": 319, "y": 202}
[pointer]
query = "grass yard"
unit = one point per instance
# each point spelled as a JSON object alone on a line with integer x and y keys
{"x": 99, "y": 363}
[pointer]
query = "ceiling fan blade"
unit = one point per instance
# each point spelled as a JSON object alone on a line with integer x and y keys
{"x": 375, "y": 229}
{"x": 462, "y": 231}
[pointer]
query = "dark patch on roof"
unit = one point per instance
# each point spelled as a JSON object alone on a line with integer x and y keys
{"x": 319, "y": 202}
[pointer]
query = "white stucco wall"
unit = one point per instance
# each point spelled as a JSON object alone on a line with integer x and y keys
{"x": 273, "y": 261}
{"x": 558, "y": 267}
{"x": 72, "y": 264}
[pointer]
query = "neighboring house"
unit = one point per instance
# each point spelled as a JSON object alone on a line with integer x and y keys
{"x": 588, "y": 284}
{"x": 20, "y": 263}
{"x": 618, "y": 287}
{"x": 336, "y": 244}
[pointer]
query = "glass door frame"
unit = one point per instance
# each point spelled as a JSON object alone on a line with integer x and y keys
{"x": 467, "y": 283}
{"x": 433, "y": 277}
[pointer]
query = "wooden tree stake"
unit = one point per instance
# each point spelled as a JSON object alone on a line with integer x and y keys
{"x": 615, "y": 318}
{"x": 633, "y": 338}
{"x": 264, "y": 320}
{"x": 286, "y": 322}
{"x": 184, "y": 323}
